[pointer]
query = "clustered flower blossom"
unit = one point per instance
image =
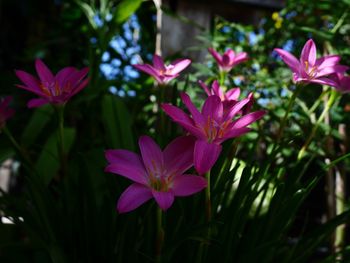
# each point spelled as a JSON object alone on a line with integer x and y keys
{"x": 156, "y": 174}
{"x": 212, "y": 126}
{"x": 309, "y": 68}
{"x": 5, "y": 111}
{"x": 161, "y": 72}
{"x": 229, "y": 59}
{"x": 52, "y": 89}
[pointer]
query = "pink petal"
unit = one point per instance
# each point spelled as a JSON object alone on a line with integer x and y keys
{"x": 34, "y": 103}
{"x": 127, "y": 164}
{"x": 237, "y": 107}
{"x": 134, "y": 196}
{"x": 233, "y": 94}
{"x": 327, "y": 61}
{"x": 196, "y": 115}
{"x": 216, "y": 56}
{"x": 228, "y": 58}
{"x": 82, "y": 85}
{"x": 158, "y": 62}
{"x": 289, "y": 59}
{"x": 332, "y": 69}
{"x": 64, "y": 74}
{"x": 164, "y": 199}
{"x": 308, "y": 54}
{"x": 31, "y": 82}
{"x": 43, "y": 71}
{"x": 184, "y": 185}
{"x": 205, "y": 87}
{"x": 205, "y": 155}
{"x": 152, "y": 155}
{"x": 213, "y": 108}
{"x": 78, "y": 75}
{"x": 232, "y": 133}
{"x": 217, "y": 90}
{"x": 36, "y": 91}
{"x": 182, "y": 118}
{"x": 323, "y": 81}
{"x": 248, "y": 119}
{"x": 178, "y": 155}
{"x": 243, "y": 56}
{"x": 179, "y": 65}
{"x": 149, "y": 70}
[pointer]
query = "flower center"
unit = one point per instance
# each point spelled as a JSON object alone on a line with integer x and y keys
{"x": 213, "y": 130}
{"x": 311, "y": 71}
{"x": 159, "y": 180}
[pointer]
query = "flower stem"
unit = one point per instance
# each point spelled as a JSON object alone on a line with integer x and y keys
{"x": 222, "y": 78}
{"x": 329, "y": 104}
{"x": 289, "y": 108}
{"x": 60, "y": 146}
{"x": 160, "y": 235}
{"x": 207, "y": 198}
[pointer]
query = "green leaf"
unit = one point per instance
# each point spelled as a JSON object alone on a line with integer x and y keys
{"x": 48, "y": 162}
{"x": 321, "y": 34}
{"x": 117, "y": 123}
{"x": 125, "y": 9}
{"x": 37, "y": 122}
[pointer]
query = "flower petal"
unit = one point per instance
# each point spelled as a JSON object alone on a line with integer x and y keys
{"x": 184, "y": 185}
{"x": 164, "y": 199}
{"x": 215, "y": 55}
{"x": 323, "y": 81}
{"x": 289, "y": 59}
{"x": 232, "y": 133}
{"x": 30, "y": 81}
{"x": 233, "y": 94}
{"x": 34, "y": 103}
{"x": 178, "y": 155}
{"x": 235, "y": 108}
{"x": 179, "y": 65}
{"x": 149, "y": 70}
{"x": 327, "y": 61}
{"x": 248, "y": 119}
{"x": 43, "y": 71}
{"x": 205, "y": 155}
{"x": 134, "y": 196}
{"x": 127, "y": 164}
{"x": 182, "y": 118}
{"x": 196, "y": 115}
{"x": 158, "y": 62}
{"x": 205, "y": 87}
{"x": 64, "y": 74}
{"x": 217, "y": 90}
{"x": 213, "y": 108}
{"x": 152, "y": 155}
{"x": 308, "y": 54}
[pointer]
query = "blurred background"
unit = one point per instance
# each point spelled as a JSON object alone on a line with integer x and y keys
{"x": 119, "y": 104}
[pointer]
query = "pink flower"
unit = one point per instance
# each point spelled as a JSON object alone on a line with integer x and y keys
{"x": 5, "y": 111}
{"x": 342, "y": 82}
{"x": 156, "y": 174}
{"x": 232, "y": 94}
{"x": 228, "y": 98}
{"x": 212, "y": 126}
{"x": 229, "y": 59}
{"x": 52, "y": 89}
{"x": 161, "y": 72}
{"x": 310, "y": 69}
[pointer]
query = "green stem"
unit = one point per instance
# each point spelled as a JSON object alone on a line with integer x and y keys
{"x": 289, "y": 108}
{"x": 222, "y": 78}
{"x": 207, "y": 198}
{"x": 160, "y": 235}
{"x": 60, "y": 146}
{"x": 317, "y": 124}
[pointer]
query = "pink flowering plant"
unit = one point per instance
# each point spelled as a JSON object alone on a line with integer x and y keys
{"x": 113, "y": 159}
